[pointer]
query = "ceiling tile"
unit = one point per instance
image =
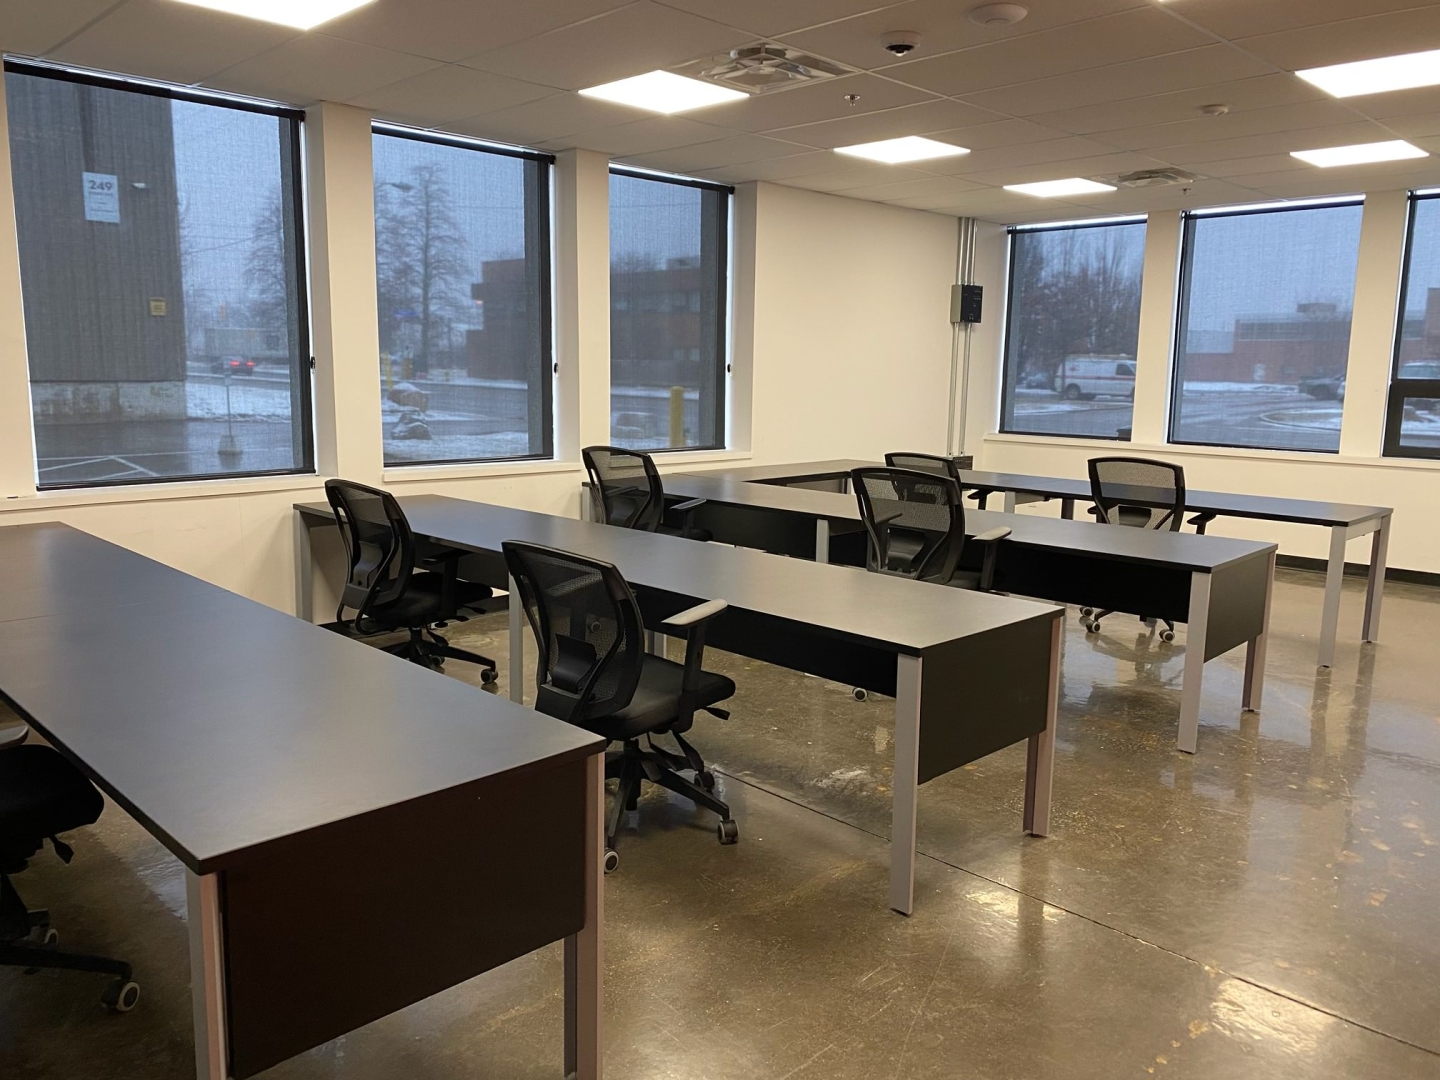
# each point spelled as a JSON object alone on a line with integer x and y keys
{"x": 739, "y": 150}
{"x": 1100, "y": 165}
{"x": 767, "y": 18}
{"x": 139, "y": 38}
{"x": 1194, "y": 196}
{"x": 546, "y": 120}
{"x": 1415, "y": 127}
{"x": 943, "y": 26}
{"x": 1114, "y": 39}
{"x": 454, "y": 29}
{"x": 1118, "y": 82}
{"x": 843, "y": 173}
{"x": 1276, "y": 121}
{"x": 1070, "y": 148}
{"x": 941, "y": 190}
{"x": 642, "y": 137}
{"x": 1196, "y": 154}
{"x": 314, "y": 67}
{"x": 1251, "y": 166}
{"x": 637, "y": 38}
{"x": 813, "y": 102}
{"x": 35, "y": 28}
{"x": 1245, "y": 18}
{"x": 1400, "y": 103}
{"x": 1240, "y": 96}
{"x": 1353, "y": 39}
{"x": 448, "y": 93}
{"x": 939, "y": 115}
{"x": 998, "y": 133}
{"x": 774, "y": 169}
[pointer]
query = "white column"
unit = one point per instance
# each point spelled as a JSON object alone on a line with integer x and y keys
{"x": 17, "y": 448}
{"x": 1157, "y": 328}
{"x": 744, "y": 244}
{"x": 1372, "y": 330}
{"x": 342, "y": 292}
{"x": 582, "y": 301}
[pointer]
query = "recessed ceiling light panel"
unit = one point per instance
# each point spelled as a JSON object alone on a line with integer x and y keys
{"x": 301, "y": 14}
{"x": 663, "y": 92}
{"x": 898, "y": 151}
{"x": 1377, "y": 76}
{"x": 1057, "y": 189}
{"x": 1363, "y": 154}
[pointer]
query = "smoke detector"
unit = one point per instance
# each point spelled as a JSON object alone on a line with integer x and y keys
{"x": 1215, "y": 110}
{"x": 998, "y": 14}
{"x": 759, "y": 69}
{"x": 1155, "y": 178}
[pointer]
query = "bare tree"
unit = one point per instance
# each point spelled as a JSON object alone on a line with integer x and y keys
{"x": 266, "y": 282}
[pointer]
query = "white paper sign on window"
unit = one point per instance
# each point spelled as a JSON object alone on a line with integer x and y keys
{"x": 102, "y": 197}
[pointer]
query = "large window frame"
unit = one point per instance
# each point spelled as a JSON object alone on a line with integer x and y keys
{"x": 1007, "y": 374}
{"x": 1182, "y": 310}
{"x": 539, "y": 246}
{"x": 721, "y": 236}
{"x": 292, "y": 191}
{"x": 1402, "y": 389}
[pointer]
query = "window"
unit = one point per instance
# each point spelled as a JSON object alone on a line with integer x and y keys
{"x": 1412, "y": 424}
{"x": 1071, "y": 328}
{"x": 1264, "y": 329}
{"x": 163, "y": 289}
{"x": 669, "y": 301}
{"x": 462, "y": 259}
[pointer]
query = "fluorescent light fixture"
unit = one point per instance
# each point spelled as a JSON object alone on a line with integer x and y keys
{"x": 663, "y": 92}
{"x": 1377, "y": 76}
{"x": 301, "y": 14}
{"x": 896, "y": 151}
{"x": 1361, "y": 154}
{"x": 1057, "y": 189}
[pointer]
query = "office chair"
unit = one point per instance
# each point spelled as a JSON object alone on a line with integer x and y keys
{"x": 388, "y": 593}
{"x": 41, "y": 796}
{"x": 926, "y": 463}
{"x": 594, "y": 673}
{"x": 625, "y": 490}
{"x": 1139, "y": 493}
{"x": 915, "y": 522}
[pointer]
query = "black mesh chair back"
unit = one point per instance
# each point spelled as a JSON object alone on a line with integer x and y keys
{"x": 625, "y": 487}
{"x": 378, "y": 543}
{"x": 915, "y": 522}
{"x": 926, "y": 463}
{"x": 587, "y": 626}
{"x": 1139, "y": 492}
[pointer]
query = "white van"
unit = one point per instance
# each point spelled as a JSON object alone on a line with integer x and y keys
{"x": 1095, "y": 376}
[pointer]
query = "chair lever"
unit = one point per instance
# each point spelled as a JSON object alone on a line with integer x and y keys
{"x": 719, "y": 713}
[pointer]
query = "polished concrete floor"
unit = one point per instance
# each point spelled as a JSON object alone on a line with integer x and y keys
{"x": 1265, "y": 908}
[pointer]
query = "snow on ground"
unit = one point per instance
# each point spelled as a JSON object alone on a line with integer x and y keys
{"x": 499, "y": 444}
{"x": 206, "y": 401}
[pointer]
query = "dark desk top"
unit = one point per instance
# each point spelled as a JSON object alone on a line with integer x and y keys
{"x": 222, "y": 724}
{"x": 892, "y": 613}
{"x": 1186, "y": 551}
{"x": 1220, "y": 503}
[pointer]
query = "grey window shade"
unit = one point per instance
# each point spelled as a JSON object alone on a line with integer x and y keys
{"x": 1412, "y": 427}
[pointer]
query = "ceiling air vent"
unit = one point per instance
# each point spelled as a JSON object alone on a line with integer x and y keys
{"x": 1156, "y": 178}
{"x": 759, "y": 69}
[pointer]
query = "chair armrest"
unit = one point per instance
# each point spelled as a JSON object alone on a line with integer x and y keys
{"x": 689, "y": 504}
{"x": 13, "y": 735}
{"x": 881, "y": 519}
{"x": 698, "y": 614}
{"x": 1201, "y": 520}
{"x": 992, "y": 535}
{"x": 991, "y": 541}
{"x": 449, "y": 563}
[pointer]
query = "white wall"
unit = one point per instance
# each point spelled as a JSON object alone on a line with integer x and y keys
{"x": 1357, "y": 475}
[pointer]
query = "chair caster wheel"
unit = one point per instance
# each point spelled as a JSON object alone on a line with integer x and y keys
{"x": 1092, "y": 626}
{"x": 612, "y": 860}
{"x": 1086, "y": 612}
{"x": 122, "y": 996}
{"x": 706, "y": 779}
{"x": 50, "y": 937}
{"x": 1167, "y": 635}
{"x": 859, "y": 693}
{"x": 489, "y": 677}
{"x": 728, "y": 832}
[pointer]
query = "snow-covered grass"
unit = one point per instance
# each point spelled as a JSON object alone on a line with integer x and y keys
{"x": 206, "y": 401}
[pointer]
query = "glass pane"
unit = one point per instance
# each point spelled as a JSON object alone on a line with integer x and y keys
{"x": 462, "y": 264}
{"x": 1417, "y": 352}
{"x": 161, "y": 287}
{"x": 1073, "y": 324}
{"x": 1420, "y": 423}
{"x": 1265, "y": 332}
{"x": 667, "y": 314}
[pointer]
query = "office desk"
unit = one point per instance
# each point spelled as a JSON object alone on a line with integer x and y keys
{"x": 1345, "y": 521}
{"x": 970, "y": 673}
{"x": 1219, "y": 587}
{"x": 307, "y": 782}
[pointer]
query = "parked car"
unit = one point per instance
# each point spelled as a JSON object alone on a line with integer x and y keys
{"x": 1088, "y": 377}
{"x": 1421, "y": 369}
{"x": 1324, "y": 387}
{"x": 233, "y": 365}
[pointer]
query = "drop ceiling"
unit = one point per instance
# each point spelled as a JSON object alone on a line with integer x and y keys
{"x": 1088, "y": 88}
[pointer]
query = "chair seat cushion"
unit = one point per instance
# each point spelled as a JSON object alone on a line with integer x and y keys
{"x": 657, "y": 700}
{"x": 419, "y": 604}
{"x": 965, "y": 579}
{"x": 42, "y": 794}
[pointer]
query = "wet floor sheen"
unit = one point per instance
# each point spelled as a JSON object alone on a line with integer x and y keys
{"x": 1257, "y": 910}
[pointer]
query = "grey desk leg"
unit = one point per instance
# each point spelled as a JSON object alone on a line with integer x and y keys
{"x": 1194, "y": 662}
{"x": 1255, "y": 650}
{"x": 1334, "y": 576}
{"x": 1375, "y": 589}
{"x": 822, "y": 541}
{"x": 1040, "y": 753}
{"x": 907, "y": 784}
{"x": 1009, "y": 502}
{"x": 516, "y": 677}
{"x": 207, "y": 975}
{"x": 1067, "y": 509}
{"x": 585, "y": 951}
{"x": 304, "y": 569}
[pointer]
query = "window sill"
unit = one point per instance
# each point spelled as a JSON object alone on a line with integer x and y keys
{"x": 221, "y": 487}
{"x": 1224, "y": 452}
{"x": 474, "y": 470}
{"x": 664, "y": 458}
